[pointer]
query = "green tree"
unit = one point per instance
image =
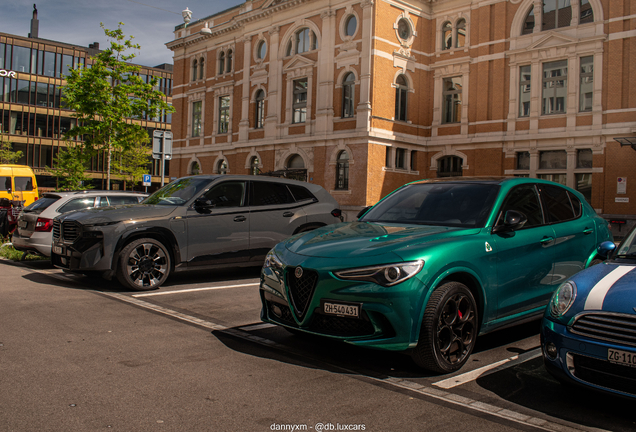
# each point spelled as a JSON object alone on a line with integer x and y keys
{"x": 70, "y": 165}
{"x": 108, "y": 95}
{"x": 132, "y": 163}
{"x": 7, "y": 155}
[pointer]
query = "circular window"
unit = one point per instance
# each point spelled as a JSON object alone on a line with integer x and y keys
{"x": 351, "y": 25}
{"x": 261, "y": 51}
{"x": 404, "y": 29}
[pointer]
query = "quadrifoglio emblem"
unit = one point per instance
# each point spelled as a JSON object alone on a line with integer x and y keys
{"x": 298, "y": 272}
{"x": 6, "y": 73}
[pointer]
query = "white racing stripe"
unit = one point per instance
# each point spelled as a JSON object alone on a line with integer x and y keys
{"x": 194, "y": 289}
{"x": 597, "y": 294}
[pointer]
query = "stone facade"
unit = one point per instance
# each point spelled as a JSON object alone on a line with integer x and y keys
{"x": 439, "y": 87}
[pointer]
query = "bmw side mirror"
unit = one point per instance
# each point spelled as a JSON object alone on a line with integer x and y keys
{"x": 605, "y": 248}
{"x": 203, "y": 204}
{"x": 362, "y": 212}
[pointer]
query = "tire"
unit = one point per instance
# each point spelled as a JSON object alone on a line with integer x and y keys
{"x": 449, "y": 329}
{"x": 144, "y": 264}
{"x": 595, "y": 261}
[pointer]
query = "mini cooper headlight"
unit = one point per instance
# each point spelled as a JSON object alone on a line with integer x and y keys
{"x": 562, "y": 299}
{"x": 385, "y": 275}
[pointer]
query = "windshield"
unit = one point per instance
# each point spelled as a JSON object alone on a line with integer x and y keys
{"x": 627, "y": 248}
{"x": 178, "y": 192}
{"x": 448, "y": 204}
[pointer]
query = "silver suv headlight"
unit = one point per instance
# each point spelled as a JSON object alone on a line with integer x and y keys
{"x": 386, "y": 275}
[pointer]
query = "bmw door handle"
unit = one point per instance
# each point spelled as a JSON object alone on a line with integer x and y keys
{"x": 240, "y": 219}
{"x": 587, "y": 231}
{"x": 288, "y": 214}
{"x": 545, "y": 241}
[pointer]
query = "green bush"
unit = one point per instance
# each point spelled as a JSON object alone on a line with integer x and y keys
{"x": 7, "y": 251}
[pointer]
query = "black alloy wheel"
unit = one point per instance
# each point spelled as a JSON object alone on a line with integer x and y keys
{"x": 449, "y": 329}
{"x": 144, "y": 264}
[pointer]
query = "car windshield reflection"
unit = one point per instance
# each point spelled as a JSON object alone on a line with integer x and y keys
{"x": 447, "y": 204}
{"x": 178, "y": 192}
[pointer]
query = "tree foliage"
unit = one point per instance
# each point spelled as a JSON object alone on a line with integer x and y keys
{"x": 108, "y": 95}
{"x": 70, "y": 165}
{"x": 7, "y": 155}
{"x": 132, "y": 163}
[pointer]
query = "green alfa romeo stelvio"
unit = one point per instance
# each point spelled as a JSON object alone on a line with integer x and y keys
{"x": 432, "y": 265}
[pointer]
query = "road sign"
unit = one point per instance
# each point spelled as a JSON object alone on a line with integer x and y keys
{"x": 162, "y": 144}
{"x": 147, "y": 180}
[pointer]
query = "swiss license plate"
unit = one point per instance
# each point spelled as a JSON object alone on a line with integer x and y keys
{"x": 22, "y": 224}
{"x": 340, "y": 309}
{"x": 621, "y": 357}
{"x": 58, "y": 250}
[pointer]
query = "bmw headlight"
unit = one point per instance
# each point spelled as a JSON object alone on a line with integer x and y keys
{"x": 385, "y": 275}
{"x": 562, "y": 299}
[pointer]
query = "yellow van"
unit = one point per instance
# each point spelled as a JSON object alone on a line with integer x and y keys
{"x": 17, "y": 183}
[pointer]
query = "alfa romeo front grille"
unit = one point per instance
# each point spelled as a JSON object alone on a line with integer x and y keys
{"x": 607, "y": 327}
{"x": 301, "y": 289}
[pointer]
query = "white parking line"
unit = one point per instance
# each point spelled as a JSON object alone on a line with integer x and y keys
{"x": 487, "y": 370}
{"x": 193, "y": 290}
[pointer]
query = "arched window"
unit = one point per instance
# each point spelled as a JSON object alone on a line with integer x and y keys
{"x": 259, "y": 116}
{"x": 302, "y": 41}
{"x": 587, "y": 14}
{"x": 194, "y": 168}
{"x": 222, "y": 167}
{"x": 447, "y": 36}
{"x": 449, "y": 166}
{"x": 201, "y": 67}
{"x": 254, "y": 163}
{"x": 348, "y": 89}
{"x": 461, "y": 33}
{"x": 342, "y": 171}
{"x": 221, "y": 63}
{"x": 528, "y": 24}
{"x": 556, "y": 14}
{"x": 261, "y": 50}
{"x": 229, "y": 61}
{"x": 351, "y": 25}
{"x": 194, "y": 70}
{"x": 401, "y": 97}
{"x": 295, "y": 162}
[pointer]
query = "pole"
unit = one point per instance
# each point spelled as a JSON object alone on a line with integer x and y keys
{"x": 163, "y": 157}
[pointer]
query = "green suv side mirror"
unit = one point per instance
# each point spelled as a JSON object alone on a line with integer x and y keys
{"x": 513, "y": 220}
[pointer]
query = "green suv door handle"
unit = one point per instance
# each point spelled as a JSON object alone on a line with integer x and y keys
{"x": 545, "y": 240}
{"x": 587, "y": 231}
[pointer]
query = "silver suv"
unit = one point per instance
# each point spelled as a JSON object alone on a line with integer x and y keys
{"x": 195, "y": 222}
{"x": 35, "y": 222}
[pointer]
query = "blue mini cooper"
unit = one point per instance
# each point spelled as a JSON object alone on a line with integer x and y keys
{"x": 588, "y": 332}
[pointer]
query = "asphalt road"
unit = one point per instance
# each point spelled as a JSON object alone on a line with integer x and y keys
{"x": 82, "y": 354}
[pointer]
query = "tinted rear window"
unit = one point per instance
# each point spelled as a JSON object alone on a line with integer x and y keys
{"x": 24, "y": 184}
{"x": 300, "y": 193}
{"x": 265, "y": 193}
{"x": 42, "y": 204}
{"x": 557, "y": 202}
{"x": 117, "y": 200}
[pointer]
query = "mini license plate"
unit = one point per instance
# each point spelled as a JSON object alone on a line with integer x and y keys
{"x": 621, "y": 357}
{"x": 341, "y": 309}
{"x": 22, "y": 224}
{"x": 58, "y": 250}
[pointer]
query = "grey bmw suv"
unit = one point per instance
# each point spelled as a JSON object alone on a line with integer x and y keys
{"x": 194, "y": 222}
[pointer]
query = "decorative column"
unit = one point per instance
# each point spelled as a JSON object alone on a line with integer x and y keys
{"x": 244, "y": 124}
{"x": 363, "y": 118}
{"x": 325, "y": 79}
{"x": 273, "y": 95}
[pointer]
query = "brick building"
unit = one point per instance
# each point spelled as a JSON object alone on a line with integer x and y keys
{"x": 368, "y": 95}
{"x": 32, "y": 114}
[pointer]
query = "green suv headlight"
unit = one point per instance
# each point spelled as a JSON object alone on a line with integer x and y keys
{"x": 272, "y": 261}
{"x": 562, "y": 299}
{"x": 385, "y": 275}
